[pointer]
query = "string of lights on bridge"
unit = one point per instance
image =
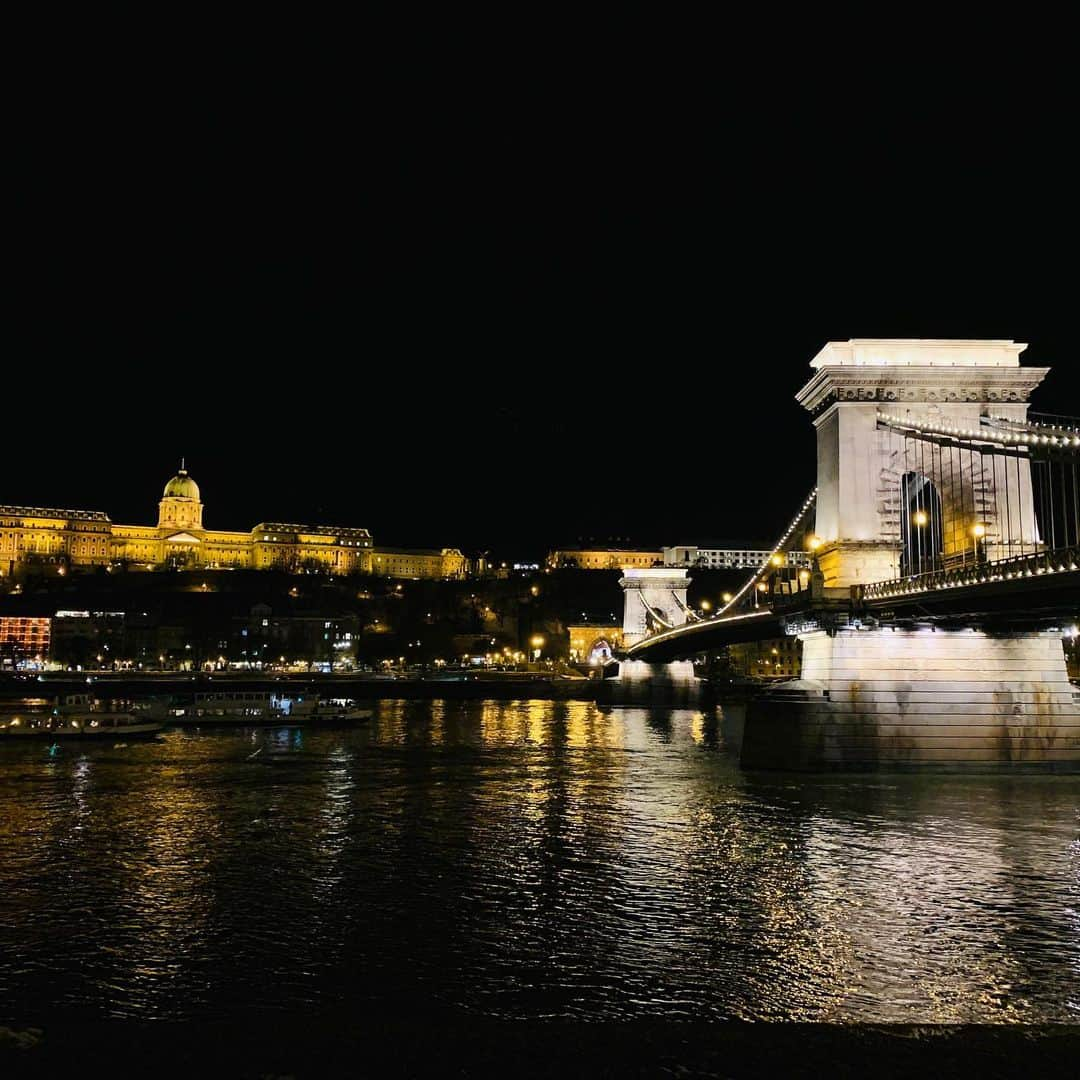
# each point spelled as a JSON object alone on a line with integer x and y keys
{"x": 1025, "y": 437}
{"x": 975, "y": 576}
{"x": 768, "y": 563}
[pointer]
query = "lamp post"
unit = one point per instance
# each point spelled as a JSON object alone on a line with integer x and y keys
{"x": 919, "y": 518}
{"x": 978, "y": 533}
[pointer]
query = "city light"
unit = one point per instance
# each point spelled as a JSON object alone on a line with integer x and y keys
{"x": 919, "y": 517}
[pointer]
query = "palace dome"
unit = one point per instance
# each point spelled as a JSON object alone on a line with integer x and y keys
{"x": 181, "y": 486}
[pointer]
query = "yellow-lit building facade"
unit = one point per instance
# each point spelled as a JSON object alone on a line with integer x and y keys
{"x": 87, "y": 538}
{"x": 776, "y": 658}
{"x": 601, "y": 559}
{"x": 24, "y": 636}
{"x": 418, "y": 563}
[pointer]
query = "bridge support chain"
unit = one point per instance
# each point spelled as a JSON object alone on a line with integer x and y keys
{"x": 642, "y": 684}
{"x": 893, "y": 699}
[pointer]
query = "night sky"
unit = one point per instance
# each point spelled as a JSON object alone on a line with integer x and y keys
{"x": 500, "y": 326}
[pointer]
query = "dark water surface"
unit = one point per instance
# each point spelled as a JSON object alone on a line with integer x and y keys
{"x": 526, "y": 859}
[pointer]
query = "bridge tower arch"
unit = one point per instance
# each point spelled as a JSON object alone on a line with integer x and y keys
{"x": 861, "y": 465}
{"x": 921, "y": 524}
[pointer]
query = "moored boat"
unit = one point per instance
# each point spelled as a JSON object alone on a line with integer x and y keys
{"x": 80, "y": 717}
{"x": 230, "y": 708}
{"x": 330, "y": 712}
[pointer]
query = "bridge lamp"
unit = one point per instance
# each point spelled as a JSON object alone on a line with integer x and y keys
{"x": 919, "y": 517}
{"x": 978, "y": 531}
{"x": 813, "y": 542}
{"x": 777, "y": 560}
{"x": 726, "y": 597}
{"x": 706, "y": 606}
{"x": 762, "y": 587}
{"x": 804, "y": 576}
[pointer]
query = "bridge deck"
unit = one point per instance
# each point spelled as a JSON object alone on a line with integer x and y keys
{"x": 1039, "y": 601}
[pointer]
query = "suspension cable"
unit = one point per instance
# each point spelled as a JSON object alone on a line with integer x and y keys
{"x": 756, "y": 576}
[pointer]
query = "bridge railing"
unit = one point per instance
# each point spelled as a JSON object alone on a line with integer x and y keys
{"x": 1033, "y": 564}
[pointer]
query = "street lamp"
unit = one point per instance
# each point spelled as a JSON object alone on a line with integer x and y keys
{"x": 978, "y": 531}
{"x": 919, "y": 519}
{"x": 537, "y": 642}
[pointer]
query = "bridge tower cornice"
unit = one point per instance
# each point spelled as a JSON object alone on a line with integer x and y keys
{"x": 929, "y": 384}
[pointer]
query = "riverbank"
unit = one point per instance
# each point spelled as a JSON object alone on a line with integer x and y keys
{"x": 469, "y": 686}
{"x": 497, "y": 685}
{"x": 464, "y": 1045}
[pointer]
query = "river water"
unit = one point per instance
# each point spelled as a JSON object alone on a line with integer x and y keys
{"x": 526, "y": 859}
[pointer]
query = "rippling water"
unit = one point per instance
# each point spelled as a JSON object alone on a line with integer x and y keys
{"x": 526, "y": 859}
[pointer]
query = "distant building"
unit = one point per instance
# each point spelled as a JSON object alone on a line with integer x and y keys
{"x": 24, "y": 638}
{"x": 776, "y": 658}
{"x": 82, "y": 637}
{"x": 264, "y": 638}
{"x": 729, "y": 558}
{"x": 419, "y": 562}
{"x": 88, "y": 538}
{"x": 603, "y": 558}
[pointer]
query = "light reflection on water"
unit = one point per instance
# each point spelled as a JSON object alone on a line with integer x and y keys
{"x": 527, "y": 859}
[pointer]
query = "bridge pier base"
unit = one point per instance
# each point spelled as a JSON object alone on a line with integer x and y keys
{"x": 895, "y": 699}
{"x": 642, "y": 684}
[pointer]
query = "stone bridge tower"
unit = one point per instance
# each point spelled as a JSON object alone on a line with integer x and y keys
{"x": 653, "y": 600}
{"x": 860, "y": 466}
{"x": 877, "y": 694}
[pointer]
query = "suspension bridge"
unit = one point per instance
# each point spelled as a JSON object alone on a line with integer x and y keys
{"x": 945, "y": 533}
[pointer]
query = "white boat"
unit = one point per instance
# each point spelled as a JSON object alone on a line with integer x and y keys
{"x": 78, "y": 716}
{"x": 316, "y": 710}
{"x": 254, "y": 708}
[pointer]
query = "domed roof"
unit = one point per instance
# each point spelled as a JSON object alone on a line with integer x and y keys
{"x": 181, "y": 486}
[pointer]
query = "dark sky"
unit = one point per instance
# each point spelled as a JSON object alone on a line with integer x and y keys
{"x": 501, "y": 323}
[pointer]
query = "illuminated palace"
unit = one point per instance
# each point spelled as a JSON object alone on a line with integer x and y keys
{"x": 88, "y": 538}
